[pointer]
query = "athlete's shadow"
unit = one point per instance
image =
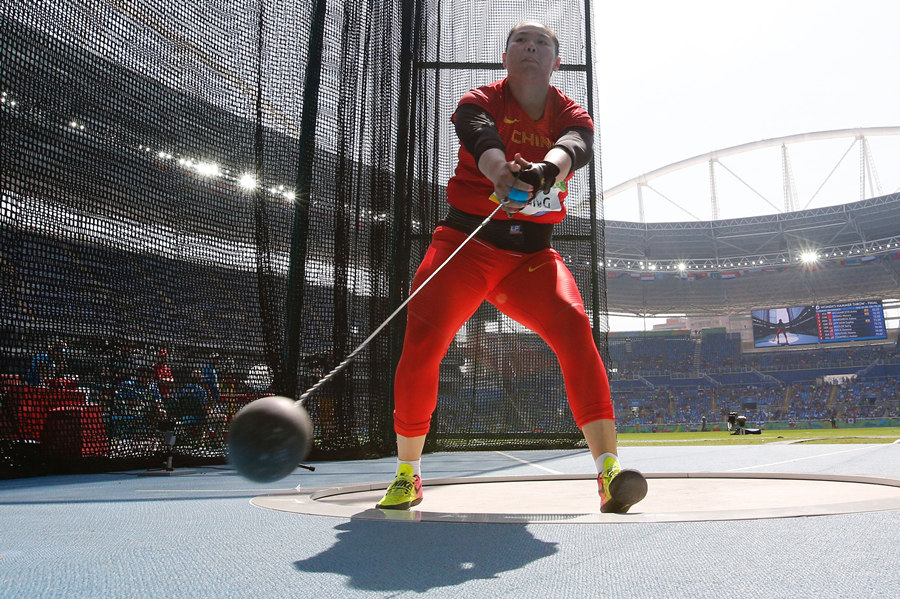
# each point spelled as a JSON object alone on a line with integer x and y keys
{"x": 407, "y": 556}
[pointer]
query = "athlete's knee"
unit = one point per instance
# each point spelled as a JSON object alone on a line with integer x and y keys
{"x": 570, "y": 331}
{"x": 424, "y": 342}
{"x": 572, "y": 317}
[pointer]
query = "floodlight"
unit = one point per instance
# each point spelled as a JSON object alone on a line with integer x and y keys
{"x": 809, "y": 257}
{"x": 247, "y": 181}
{"x": 207, "y": 169}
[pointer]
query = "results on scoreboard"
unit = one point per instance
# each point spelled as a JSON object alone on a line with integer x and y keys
{"x": 850, "y": 321}
{"x": 823, "y": 323}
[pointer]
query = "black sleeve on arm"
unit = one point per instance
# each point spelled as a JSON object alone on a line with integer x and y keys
{"x": 578, "y": 143}
{"x": 477, "y": 130}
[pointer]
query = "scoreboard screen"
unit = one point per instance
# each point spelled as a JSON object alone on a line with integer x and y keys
{"x": 823, "y": 323}
{"x": 851, "y": 321}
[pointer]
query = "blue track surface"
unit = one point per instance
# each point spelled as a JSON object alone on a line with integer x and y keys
{"x": 121, "y": 535}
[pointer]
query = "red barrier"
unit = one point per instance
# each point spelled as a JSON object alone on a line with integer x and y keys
{"x": 28, "y": 408}
{"x": 75, "y": 432}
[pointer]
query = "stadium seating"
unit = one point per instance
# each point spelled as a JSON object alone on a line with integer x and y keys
{"x": 785, "y": 386}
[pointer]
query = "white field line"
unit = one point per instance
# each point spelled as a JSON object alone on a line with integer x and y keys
{"x": 538, "y": 466}
{"x": 811, "y": 457}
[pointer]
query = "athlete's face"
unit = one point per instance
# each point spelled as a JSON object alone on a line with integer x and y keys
{"x": 531, "y": 50}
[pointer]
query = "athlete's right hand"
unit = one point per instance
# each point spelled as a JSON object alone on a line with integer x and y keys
{"x": 503, "y": 174}
{"x": 509, "y": 189}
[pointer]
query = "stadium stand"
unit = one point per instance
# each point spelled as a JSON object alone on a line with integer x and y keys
{"x": 775, "y": 388}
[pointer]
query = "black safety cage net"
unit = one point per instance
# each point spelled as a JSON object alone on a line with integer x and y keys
{"x": 208, "y": 202}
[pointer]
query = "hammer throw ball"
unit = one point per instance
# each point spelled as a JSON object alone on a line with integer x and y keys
{"x": 268, "y": 438}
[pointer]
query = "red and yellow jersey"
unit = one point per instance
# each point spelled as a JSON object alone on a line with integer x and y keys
{"x": 469, "y": 190}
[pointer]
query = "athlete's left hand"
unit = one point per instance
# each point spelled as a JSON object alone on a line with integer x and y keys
{"x": 540, "y": 175}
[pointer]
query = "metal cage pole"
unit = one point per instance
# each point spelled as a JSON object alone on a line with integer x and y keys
{"x": 595, "y": 171}
{"x": 300, "y": 231}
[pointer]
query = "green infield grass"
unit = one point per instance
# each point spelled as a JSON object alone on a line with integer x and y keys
{"x": 845, "y": 435}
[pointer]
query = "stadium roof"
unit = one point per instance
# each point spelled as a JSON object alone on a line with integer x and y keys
{"x": 850, "y": 251}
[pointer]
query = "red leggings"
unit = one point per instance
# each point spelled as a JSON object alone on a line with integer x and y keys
{"x": 536, "y": 290}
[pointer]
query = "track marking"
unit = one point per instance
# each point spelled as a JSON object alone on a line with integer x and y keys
{"x": 811, "y": 457}
{"x": 538, "y": 466}
{"x": 205, "y": 490}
